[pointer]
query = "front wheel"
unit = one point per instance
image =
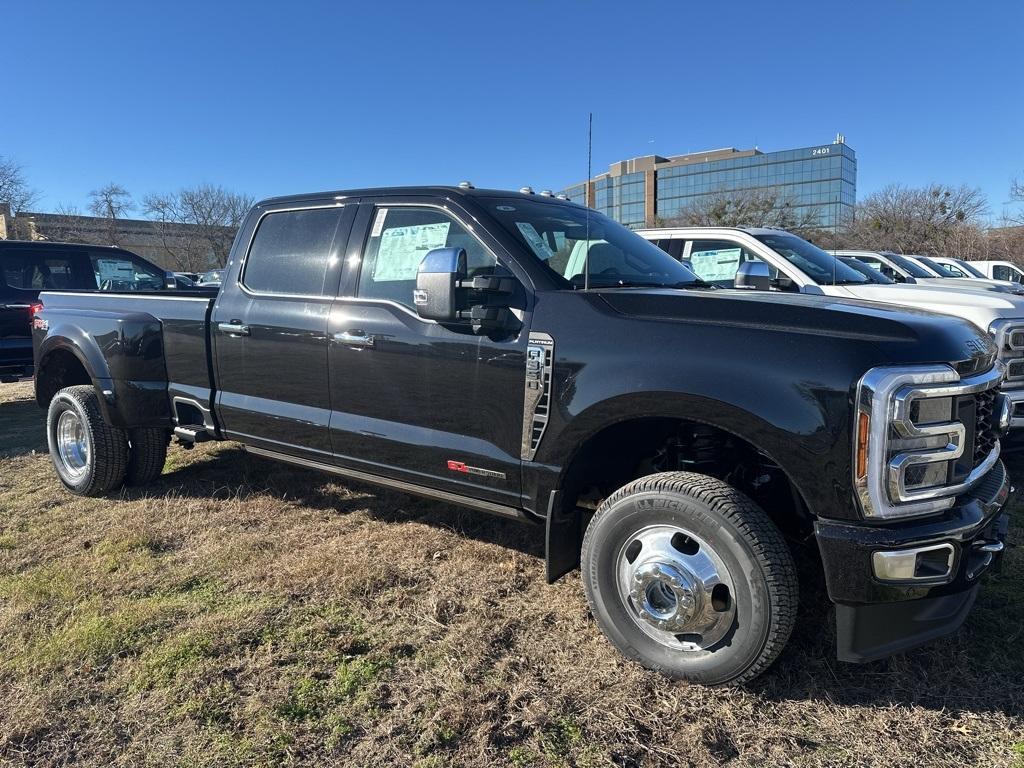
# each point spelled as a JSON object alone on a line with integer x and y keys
{"x": 90, "y": 456}
{"x": 689, "y": 577}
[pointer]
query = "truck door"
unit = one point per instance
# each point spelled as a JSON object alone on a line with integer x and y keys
{"x": 269, "y": 327}
{"x": 411, "y": 399}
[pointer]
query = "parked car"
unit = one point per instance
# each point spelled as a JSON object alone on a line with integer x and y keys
{"x": 939, "y": 268}
{"x": 916, "y": 269}
{"x": 997, "y": 270}
{"x": 772, "y": 259}
{"x": 458, "y": 352}
{"x": 29, "y": 267}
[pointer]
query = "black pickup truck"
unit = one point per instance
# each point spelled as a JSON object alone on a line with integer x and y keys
{"x": 525, "y": 356}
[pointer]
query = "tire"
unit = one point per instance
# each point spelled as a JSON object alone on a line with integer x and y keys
{"x": 147, "y": 453}
{"x": 94, "y": 456}
{"x": 710, "y": 594}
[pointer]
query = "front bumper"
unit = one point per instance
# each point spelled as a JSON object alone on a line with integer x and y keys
{"x": 1016, "y": 398}
{"x": 876, "y": 618}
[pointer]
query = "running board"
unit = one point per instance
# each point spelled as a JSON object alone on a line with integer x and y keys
{"x": 418, "y": 490}
{"x": 192, "y": 434}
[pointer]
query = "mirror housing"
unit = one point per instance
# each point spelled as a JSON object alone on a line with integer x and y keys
{"x": 437, "y": 283}
{"x": 753, "y": 275}
{"x": 444, "y": 293}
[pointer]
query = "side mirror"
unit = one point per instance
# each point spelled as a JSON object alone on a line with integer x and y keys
{"x": 754, "y": 275}
{"x": 170, "y": 282}
{"x": 437, "y": 282}
{"x": 445, "y": 293}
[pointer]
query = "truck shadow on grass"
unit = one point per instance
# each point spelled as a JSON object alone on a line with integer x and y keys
{"x": 22, "y": 427}
{"x": 979, "y": 669}
{"x": 233, "y": 471}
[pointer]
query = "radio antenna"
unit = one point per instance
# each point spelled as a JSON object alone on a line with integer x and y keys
{"x": 586, "y": 194}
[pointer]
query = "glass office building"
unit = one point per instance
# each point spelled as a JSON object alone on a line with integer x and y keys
{"x": 820, "y": 183}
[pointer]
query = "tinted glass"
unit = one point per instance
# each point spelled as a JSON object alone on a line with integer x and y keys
{"x": 1001, "y": 272}
{"x": 941, "y": 269}
{"x": 968, "y": 269}
{"x": 908, "y": 265}
{"x": 291, "y": 252}
{"x": 561, "y": 236}
{"x": 873, "y": 274}
{"x": 399, "y": 240}
{"x": 44, "y": 270}
{"x": 823, "y": 268}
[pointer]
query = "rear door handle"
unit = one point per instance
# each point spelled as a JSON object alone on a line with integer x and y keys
{"x": 355, "y": 338}
{"x": 233, "y": 329}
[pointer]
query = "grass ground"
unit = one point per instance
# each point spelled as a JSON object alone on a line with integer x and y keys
{"x": 242, "y": 612}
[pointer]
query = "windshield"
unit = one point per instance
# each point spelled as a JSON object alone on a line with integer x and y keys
{"x": 562, "y": 235}
{"x": 871, "y": 274}
{"x": 908, "y": 265}
{"x": 823, "y": 268}
{"x": 972, "y": 271}
{"x": 940, "y": 268}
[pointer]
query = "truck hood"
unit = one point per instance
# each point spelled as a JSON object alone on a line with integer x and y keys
{"x": 972, "y": 284}
{"x": 979, "y": 307}
{"x": 827, "y": 316}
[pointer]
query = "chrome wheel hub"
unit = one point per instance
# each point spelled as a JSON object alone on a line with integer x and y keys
{"x": 676, "y": 588}
{"x": 72, "y": 444}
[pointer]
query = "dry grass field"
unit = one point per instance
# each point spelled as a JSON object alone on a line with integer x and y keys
{"x": 242, "y": 612}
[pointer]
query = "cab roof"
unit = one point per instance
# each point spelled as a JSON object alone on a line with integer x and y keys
{"x": 421, "y": 191}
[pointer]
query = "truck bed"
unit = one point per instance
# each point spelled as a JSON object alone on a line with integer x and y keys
{"x": 153, "y": 342}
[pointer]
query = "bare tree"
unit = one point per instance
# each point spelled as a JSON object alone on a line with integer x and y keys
{"x": 214, "y": 215}
{"x": 110, "y": 202}
{"x": 925, "y": 220}
{"x": 14, "y": 189}
{"x": 1016, "y": 196}
{"x": 746, "y": 208}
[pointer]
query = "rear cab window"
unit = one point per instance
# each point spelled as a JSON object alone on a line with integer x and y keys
{"x": 27, "y": 269}
{"x": 291, "y": 252}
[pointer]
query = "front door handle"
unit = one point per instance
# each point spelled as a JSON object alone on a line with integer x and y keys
{"x": 15, "y": 306}
{"x": 355, "y": 338}
{"x": 233, "y": 329}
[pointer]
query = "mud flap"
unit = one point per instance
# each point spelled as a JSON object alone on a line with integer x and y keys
{"x": 562, "y": 539}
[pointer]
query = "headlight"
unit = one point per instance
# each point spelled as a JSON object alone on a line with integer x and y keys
{"x": 1008, "y": 335}
{"x": 915, "y": 438}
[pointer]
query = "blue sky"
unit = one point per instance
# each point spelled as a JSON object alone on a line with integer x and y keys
{"x": 275, "y": 98}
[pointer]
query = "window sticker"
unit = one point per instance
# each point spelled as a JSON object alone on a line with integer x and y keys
{"x": 540, "y": 247}
{"x": 716, "y": 265}
{"x": 378, "y": 222}
{"x": 402, "y": 249}
{"x": 115, "y": 269}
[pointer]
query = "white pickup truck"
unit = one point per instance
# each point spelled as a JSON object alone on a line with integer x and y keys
{"x": 923, "y": 269}
{"x": 776, "y": 260}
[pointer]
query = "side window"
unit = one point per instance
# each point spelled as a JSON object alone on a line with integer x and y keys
{"x": 35, "y": 271}
{"x": 953, "y": 269}
{"x": 118, "y": 272}
{"x": 291, "y": 251}
{"x": 879, "y": 266}
{"x": 717, "y": 261}
{"x": 1002, "y": 272}
{"x": 399, "y": 240}
{"x": 672, "y": 246}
